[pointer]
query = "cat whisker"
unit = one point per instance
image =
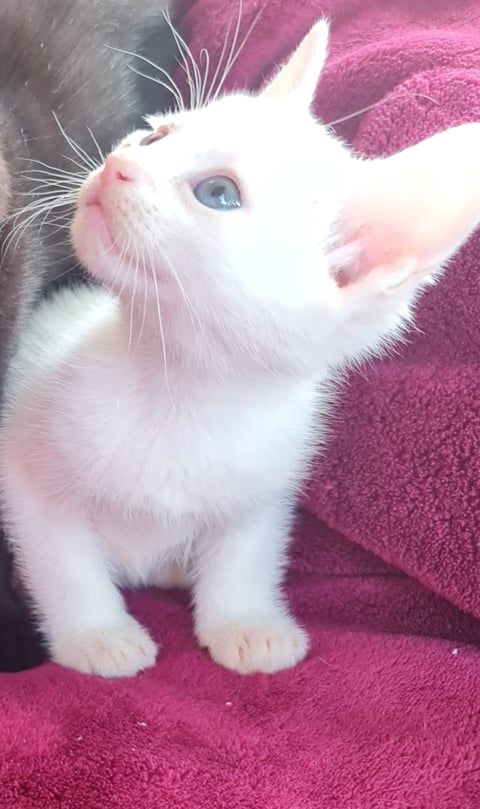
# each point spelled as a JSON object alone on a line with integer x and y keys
{"x": 372, "y": 106}
{"x": 97, "y": 145}
{"x": 232, "y": 49}
{"x": 52, "y": 179}
{"x": 162, "y": 331}
{"x": 174, "y": 89}
{"x": 219, "y": 66}
{"x": 26, "y": 216}
{"x": 82, "y": 155}
{"x": 47, "y": 199}
{"x": 133, "y": 304}
{"x": 204, "y": 53}
{"x": 234, "y": 53}
{"x": 178, "y": 100}
{"x": 194, "y": 77}
{"x": 53, "y": 170}
{"x": 194, "y": 318}
{"x": 86, "y": 169}
{"x": 46, "y": 186}
{"x": 144, "y": 311}
{"x": 120, "y": 267}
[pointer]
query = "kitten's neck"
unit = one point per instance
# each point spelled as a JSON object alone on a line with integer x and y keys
{"x": 196, "y": 350}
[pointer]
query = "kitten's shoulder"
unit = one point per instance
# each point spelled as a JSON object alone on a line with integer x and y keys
{"x": 58, "y": 327}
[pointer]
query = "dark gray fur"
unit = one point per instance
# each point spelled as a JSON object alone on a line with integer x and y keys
{"x": 54, "y": 59}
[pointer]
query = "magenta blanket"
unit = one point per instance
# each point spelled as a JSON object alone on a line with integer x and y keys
{"x": 385, "y": 712}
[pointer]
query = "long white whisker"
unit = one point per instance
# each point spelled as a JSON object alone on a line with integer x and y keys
{"x": 120, "y": 266}
{"x": 178, "y": 99}
{"x": 81, "y": 153}
{"x": 175, "y": 90}
{"x": 97, "y": 145}
{"x": 204, "y": 53}
{"x": 133, "y": 303}
{"x": 79, "y": 165}
{"x": 194, "y": 78}
{"x": 232, "y": 48}
{"x": 219, "y": 65}
{"x": 195, "y": 320}
{"x": 233, "y": 59}
{"x": 162, "y": 332}
{"x": 144, "y": 311}
{"x": 372, "y": 106}
{"x": 55, "y": 169}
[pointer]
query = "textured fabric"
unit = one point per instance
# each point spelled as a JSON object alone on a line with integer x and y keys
{"x": 384, "y": 714}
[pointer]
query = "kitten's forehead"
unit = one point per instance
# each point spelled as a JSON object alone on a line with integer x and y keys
{"x": 255, "y": 137}
{"x": 238, "y": 122}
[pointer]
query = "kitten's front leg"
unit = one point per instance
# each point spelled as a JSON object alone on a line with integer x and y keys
{"x": 80, "y": 610}
{"x": 240, "y": 612}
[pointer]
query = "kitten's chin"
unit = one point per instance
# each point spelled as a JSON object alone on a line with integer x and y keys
{"x": 90, "y": 235}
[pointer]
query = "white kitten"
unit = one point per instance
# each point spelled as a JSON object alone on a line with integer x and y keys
{"x": 157, "y": 431}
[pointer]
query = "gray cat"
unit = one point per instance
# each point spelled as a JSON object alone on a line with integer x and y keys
{"x": 61, "y": 68}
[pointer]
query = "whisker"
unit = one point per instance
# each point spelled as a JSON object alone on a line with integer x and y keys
{"x": 204, "y": 53}
{"x": 232, "y": 47}
{"x": 194, "y": 318}
{"x": 233, "y": 59}
{"x": 56, "y": 169}
{"x": 133, "y": 303}
{"x": 162, "y": 333}
{"x": 178, "y": 100}
{"x": 372, "y": 106}
{"x": 97, "y": 145}
{"x": 194, "y": 79}
{"x": 219, "y": 65}
{"x": 174, "y": 88}
{"x": 88, "y": 162}
{"x": 79, "y": 165}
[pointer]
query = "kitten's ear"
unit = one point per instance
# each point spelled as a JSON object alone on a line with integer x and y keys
{"x": 298, "y": 78}
{"x": 412, "y": 211}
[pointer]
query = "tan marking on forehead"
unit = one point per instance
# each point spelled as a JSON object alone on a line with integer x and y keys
{"x": 158, "y": 134}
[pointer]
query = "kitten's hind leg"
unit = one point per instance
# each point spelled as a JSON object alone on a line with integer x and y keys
{"x": 81, "y": 612}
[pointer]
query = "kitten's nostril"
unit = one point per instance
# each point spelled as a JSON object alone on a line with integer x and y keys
{"x": 117, "y": 169}
{"x": 121, "y": 176}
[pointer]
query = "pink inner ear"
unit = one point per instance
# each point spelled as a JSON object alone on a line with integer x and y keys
{"x": 413, "y": 210}
{"x": 380, "y": 244}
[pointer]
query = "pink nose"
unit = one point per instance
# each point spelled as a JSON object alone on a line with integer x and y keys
{"x": 118, "y": 168}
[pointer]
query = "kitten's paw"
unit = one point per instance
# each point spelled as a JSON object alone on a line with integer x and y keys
{"x": 121, "y": 650}
{"x": 257, "y": 647}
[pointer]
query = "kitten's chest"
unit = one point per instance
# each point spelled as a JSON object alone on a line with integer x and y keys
{"x": 206, "y": 457}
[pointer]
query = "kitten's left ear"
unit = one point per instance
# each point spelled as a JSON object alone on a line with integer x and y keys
{"x": 409, "y": 213}
{"x": 298, "y": 78}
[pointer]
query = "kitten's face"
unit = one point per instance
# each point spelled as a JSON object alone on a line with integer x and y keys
{"x": 232, "y": 216}
{"x": 233, "y": 203}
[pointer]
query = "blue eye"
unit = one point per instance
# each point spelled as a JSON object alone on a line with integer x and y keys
{"x": 219, "y": 193}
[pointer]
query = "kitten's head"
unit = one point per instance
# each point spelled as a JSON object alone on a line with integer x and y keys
{"x": 248, "y": 223}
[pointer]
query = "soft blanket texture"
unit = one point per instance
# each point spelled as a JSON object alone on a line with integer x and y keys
{"x": 384, "y": 714}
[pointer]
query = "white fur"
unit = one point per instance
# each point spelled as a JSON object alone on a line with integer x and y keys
{"x": 157, "y": 431}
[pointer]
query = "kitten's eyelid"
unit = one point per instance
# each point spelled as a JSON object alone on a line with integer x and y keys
{"x": 194, "y": 178}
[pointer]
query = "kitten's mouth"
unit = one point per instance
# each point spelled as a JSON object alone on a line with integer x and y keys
{"x": 96, "y": 221}
{"x": 100, "y": 234}
{"x": 93, "y": 221}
